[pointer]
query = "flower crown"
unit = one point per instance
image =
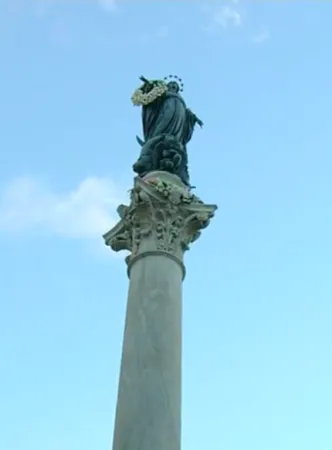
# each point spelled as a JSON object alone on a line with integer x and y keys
{"x": 176, "y": 79}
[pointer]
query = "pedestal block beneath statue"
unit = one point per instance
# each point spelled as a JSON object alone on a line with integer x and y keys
{"x": 158, "y": 226}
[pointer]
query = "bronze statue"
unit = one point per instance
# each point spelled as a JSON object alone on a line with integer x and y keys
{"x": 168, "y": 126}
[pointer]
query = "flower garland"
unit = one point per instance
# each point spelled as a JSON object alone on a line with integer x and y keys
{"x": 139, "y": 98}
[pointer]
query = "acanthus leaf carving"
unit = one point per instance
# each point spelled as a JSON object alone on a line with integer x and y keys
{"x": 161, "y": 216}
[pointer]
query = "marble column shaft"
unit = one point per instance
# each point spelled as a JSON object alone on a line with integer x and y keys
{"x": 157, "y": 227}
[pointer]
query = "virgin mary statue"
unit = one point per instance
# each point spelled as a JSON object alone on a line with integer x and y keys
{"x": 168, "y": 126}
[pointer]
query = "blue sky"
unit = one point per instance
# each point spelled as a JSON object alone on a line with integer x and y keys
{"x": 257, "y": 333}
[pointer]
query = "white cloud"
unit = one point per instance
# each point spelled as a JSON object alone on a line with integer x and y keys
{"x": 228, "y": 16}
{"x": 262, "y": 36}
{"x": 85, "y": 212}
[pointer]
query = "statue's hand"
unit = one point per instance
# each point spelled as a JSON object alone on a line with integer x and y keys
{"x": 199, "y": 122}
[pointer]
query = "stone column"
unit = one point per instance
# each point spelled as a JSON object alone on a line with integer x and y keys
{"x": 162, "y": 220}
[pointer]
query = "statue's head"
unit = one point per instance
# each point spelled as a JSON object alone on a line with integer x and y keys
{"x": 174, "y": 84}
{"x": 173, "y": 87}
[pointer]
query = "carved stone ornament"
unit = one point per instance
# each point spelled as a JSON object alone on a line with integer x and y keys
{"x": 163, "y": 216}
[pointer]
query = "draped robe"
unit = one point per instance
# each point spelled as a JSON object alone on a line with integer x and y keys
{"x": 168, "y": 115}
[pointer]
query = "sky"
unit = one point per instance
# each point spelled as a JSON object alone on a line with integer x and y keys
{"x": 257, "y": 332}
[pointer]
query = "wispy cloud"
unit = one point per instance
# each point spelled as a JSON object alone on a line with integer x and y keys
{"x": 231, "y": 14}
{"x": 86, "y": 212}
{"x": 262, "y": 36}
{"x": 223, "y": 14}
{"x": 228, "y": 16}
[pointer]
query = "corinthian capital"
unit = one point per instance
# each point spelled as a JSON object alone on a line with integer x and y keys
{"x": 162, "y": 216}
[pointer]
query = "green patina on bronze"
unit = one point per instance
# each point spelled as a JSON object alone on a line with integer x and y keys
{"x": 168, "y": 126}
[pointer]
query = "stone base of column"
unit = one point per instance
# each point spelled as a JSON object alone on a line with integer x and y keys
{"x": 157, "y": 227}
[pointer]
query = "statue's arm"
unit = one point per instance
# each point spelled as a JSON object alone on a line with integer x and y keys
{"x": 194, "y": 118}
{"x": 148, "y": 85}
